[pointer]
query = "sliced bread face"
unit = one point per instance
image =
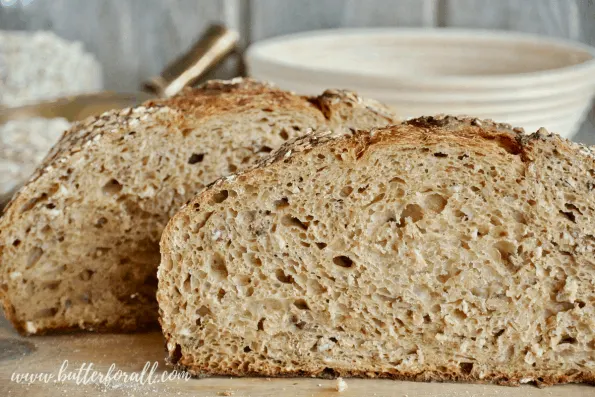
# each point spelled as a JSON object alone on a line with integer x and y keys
{"x": 79, "y": 244}
{"x": 439, "y": 249}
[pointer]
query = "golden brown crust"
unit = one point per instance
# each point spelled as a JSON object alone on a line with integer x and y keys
{"x": 433, "y": 375}
{"x": 190, "y": 105}
{"x": 469, "y": 131}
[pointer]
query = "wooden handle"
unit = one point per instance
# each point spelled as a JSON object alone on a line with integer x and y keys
{"x": 215, "y": 44}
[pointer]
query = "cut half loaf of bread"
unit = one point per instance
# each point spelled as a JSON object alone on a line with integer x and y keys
{"x": 439, "y": 249}
{"x": 79, "y": 244}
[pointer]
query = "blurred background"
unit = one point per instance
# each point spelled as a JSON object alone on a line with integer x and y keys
{"x": 134, "y": 39}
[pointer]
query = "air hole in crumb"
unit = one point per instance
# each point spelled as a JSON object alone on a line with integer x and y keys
{"x": 519, "y": 217}
{"x": 376, "y": 199}
{"x": 435, "y": 202}
{"x": 441, "y": 155}
{"x": 581, "y": 304}
{"x": 459, "y": 314}
{"x": 495, "y": 221}
{"x": 346, "y": 191}
{"x": 443, "y": 278}
{"x": 569, "y": 215}
{"x": 254, "y": 260}
{"x": 16, "y": 243}
{"x": 572, "y": 207}
{"x": 328, "y": 373}
{"x": 51, "y": 312}
{"x": 284, "y": 278}
{"x": 203, "y": 311}
{"x": 568, "y": 340}
{"x": 220, "y": 196}
{"x": 284, "y": 135}
{"x": 232, "y": 168}
{"x": 284, "y": 202}
{"x": 265, "y": 149}
{"x": 320, "y": 156}
{"x": 427, "y": 319}
{"x": 112, "y": 187}
{"x": 100, "y": 222}
{"x": 466, "y": 368}
{"x": 221, "y": 294}
{"x": 247, "y": 349}
{"x": 34, "y": 256}
{"x": 343, "y": 261}
{"x": 321, "y": 245}
{"x": 260, "y": 325}
{"x": 413, "y": 212}
{"x": 52, "y": 285}
{"x": 31, "y": 203}
{"x": 290, "y": 221}
{"x": 499, "y": 333}
{"x": 86, "y": 274}
{"x": 176, "y": 355}
{"x": 506, "y": 250}
{"x": 362, "y": 189}
{"x": 196, "y": 158}
{"x": 396, "y": 179}
{"x": 218, "y": 266}
{"x": 301, "y": 304}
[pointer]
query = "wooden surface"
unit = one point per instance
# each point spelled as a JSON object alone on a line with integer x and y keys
{"x": 130, "y": 353}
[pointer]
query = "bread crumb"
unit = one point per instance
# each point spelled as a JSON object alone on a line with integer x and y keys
{"x": 15, "y": 275}
{"x": 225, "y": 393}
{"x": 341, "y": 385}
{"x": 31, "y": 327}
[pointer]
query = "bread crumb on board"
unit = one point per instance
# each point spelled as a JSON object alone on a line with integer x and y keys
{"x": 225, "y": 393}
{"x": 341, "y": 385}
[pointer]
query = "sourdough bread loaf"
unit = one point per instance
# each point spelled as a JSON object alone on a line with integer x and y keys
{"x": 439, "y": 249}
{"x": 79, "y": 244}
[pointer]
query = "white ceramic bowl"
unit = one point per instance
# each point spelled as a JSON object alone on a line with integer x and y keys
{"x": 525, "y": 80}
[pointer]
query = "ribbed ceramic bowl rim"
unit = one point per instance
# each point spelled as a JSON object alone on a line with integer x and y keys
{"x": 258, "y": 53}
{"x": 538, "y": 93}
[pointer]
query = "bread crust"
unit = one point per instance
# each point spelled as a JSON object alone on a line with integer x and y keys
{"x": 468, "y": 132}
{"x": 186, "y": 110}
{"x": 431, "y": 375}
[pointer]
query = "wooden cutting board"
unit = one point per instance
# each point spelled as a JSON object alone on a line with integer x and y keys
{"x": 130, "y": 353}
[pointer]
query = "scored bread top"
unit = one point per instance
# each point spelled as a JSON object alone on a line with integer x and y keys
{"x": 189, "y": 107}
{"x": 467, "y": 130}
